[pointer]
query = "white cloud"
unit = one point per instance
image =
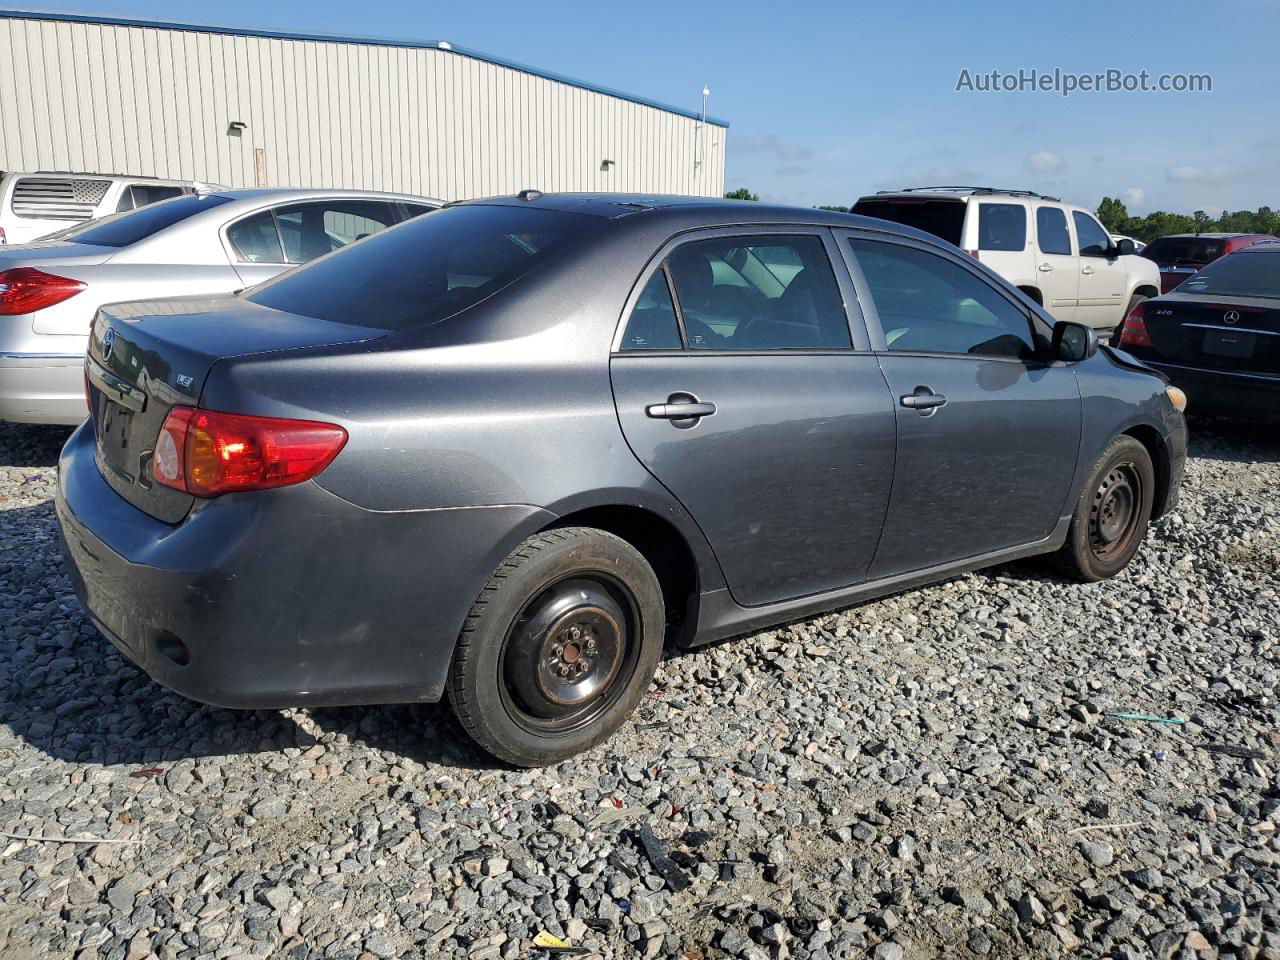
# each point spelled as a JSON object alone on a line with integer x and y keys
{"x": 1045, "y": 161}
{"x": 1134, "y": 196}
{"x": 769, "y": 143}
{"x": 1190, "y": 173}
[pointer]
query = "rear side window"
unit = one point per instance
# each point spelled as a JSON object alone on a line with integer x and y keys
{"x": 430, "y": 268}
{"x": 1094, "y": 241}
{"x": 928, "y": 304}
{"x": 653, "y": 324}
{"x": 1051, "y": 231}
{"x": 310, "y": 230}
{"x": 255, "y": 239}
{"x": 1002, "y": 226}
{"x": 122, "y": 229}
{"x": 759, "y": 293}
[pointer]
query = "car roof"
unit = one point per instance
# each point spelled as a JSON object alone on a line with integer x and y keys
{"x": 1216, "y": 235}
{"x": 708, "y": 211}
{"x": 958, "y": 192}
{"x": 272, "y": 194}
{"x": 95, "y": 176}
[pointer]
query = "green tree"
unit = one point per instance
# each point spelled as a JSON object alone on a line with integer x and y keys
{"x": 742, "y": 193}
{"x": 1113, "y": 215}
{"x": 827, "y": 206}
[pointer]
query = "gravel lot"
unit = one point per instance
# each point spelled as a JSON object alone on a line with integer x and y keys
{"x": 936, "y": 773}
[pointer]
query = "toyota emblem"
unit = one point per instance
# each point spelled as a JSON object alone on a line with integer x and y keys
{"x": 108, "y": 340}
{"x": 1231, "y": 316}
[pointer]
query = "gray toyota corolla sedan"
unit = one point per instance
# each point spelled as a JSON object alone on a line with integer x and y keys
{"x": 500, "y": 452}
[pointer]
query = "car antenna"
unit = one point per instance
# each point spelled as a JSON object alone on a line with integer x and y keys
{"x": 529, "y": 194}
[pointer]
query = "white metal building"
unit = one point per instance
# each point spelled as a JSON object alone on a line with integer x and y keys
{"x": 247, "y": 108}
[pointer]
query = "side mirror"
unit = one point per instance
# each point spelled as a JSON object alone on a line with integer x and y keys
{"x": 1125, "y": 248}
{"x": 1073, "y": 342}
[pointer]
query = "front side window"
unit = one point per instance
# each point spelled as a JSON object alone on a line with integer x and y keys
{"x": 431, "y": 268}
{"x": 1002, "y": 226}
{"x": 930, "y": 304}
{"x": 1094, "y": 241}
{"x": 758, "y": 293}
{"x": 255, "y": 239}
{"x": 1051, "y": 231}
{"x": 653, "y": 324}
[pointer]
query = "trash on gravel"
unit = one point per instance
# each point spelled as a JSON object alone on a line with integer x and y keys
{"x": 605, "y": 817}
{"x": 1231, "y": 750}
{"x": 656, "y": 851}
{"x": 549, "y": 943}
{"x": 1148, "y": 718}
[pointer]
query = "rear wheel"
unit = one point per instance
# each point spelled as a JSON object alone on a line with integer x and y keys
{"x": 1112, "y": 514}
{"x": 559, "y": 647}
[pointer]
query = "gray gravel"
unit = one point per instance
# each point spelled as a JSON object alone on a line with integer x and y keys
{"x": 933, "y": 774}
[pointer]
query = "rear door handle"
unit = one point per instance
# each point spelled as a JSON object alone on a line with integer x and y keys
{"x": 1087, "y": 271}
{"x": 677, "y": 409}
{"x": 1046, "y": 268}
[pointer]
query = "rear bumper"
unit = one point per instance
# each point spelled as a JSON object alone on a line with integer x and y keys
{"x": 42, "y": 388}
{"x": 1221, "y": 393}
{"x": 280, "y": 598}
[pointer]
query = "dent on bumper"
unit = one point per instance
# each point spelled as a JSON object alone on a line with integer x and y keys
{"x": 282, "y": 598}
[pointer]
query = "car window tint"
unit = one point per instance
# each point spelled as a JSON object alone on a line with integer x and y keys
{"x": 1094, "y": 241}
{"x": 928, "y": 303}
{"x": 759, "y": 293}
{"x": 431, "y": 268}
{"x": 310, "y": 230}
{"x": 255, "y": 239}
{"x": 1051, "y": 231}
{"x": 1252, "y": 274}
{"x": 653, "y": 323}
{"x": 412, "y": 210}
{"x": 122, "y": 229}
{"x": 1191, "y": 250}
{"x": 143, "y": 194}
{"x": 1002, "y": 226}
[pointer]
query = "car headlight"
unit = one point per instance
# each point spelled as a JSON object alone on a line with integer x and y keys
{"x": 1177, "y": 398}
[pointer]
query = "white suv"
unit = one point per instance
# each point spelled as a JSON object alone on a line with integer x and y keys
{"x": 1056, "y": 253}
{"x": 33, "y": 205}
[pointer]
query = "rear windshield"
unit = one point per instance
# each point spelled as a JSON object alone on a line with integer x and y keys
{"x": 429, "y": 268}
{"x": 1253, "y": 274}
{"x": 942, "y": 218}
{"x": 122, "y": 229}
{"x": 1171, "y": 251}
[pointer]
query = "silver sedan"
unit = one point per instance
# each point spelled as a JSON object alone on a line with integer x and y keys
{"x": 206, "y": 243}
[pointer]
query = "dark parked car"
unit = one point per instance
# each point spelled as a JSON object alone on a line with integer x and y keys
{"x": 501, "y": 451}
{"x": 1218, "y": 335}
{"x": 1179, "y": 255}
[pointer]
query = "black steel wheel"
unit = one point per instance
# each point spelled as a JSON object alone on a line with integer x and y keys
{"x": 559, "y": 647}
{"x": 1112, "y": 514}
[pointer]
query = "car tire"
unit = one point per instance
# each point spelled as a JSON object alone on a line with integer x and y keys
{"x": 559, "y": 647}
{"x": 1118, "y": 330}
{"x": 1111, "y": 515}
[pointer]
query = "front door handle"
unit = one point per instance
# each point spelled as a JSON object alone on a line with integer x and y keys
{"x": 1046, "y": 268}
{"x": 1087, "y": 271}
{"x": 923, "y": 400}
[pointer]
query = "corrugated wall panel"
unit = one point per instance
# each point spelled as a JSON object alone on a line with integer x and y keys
{"x": 155, "y": 101}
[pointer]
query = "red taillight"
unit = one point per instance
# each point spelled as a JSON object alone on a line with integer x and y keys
{"x": 3, "y": 238}
{"x": 208, "y": 453}
{"x": 26, "y": 290}
{"x": 1134, "y": 333}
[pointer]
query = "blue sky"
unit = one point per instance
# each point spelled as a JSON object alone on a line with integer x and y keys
{"x": 827, "y": 101}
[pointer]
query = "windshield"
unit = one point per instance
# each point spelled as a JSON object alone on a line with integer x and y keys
{"x": 429, "y": 268}
{"x": 1252, "y": 274}
{"x": 1175, "y": 250}
{"x": 122, "y": 229}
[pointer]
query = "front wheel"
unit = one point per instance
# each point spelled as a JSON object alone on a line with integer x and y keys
{"x": 1112, "y": 514}
{"x": 559, "y": 647}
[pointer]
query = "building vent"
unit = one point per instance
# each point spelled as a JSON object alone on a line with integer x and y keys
{"x": 58, "y": 198}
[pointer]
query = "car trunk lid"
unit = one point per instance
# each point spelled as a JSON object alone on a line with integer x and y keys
{"x": 147, "y": 357}
{"x": 1240, "y": 334}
